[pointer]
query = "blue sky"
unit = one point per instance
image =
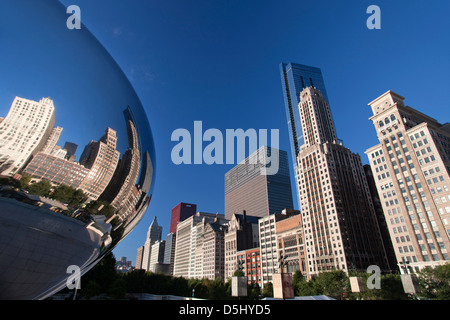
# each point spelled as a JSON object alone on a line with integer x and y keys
{"x": 218, "y": 62}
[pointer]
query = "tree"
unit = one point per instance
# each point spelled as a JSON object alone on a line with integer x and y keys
{"x": 217, "y": 290}
{"x": 92, "y": 289}
{"x": 306, "y": 288}
{"x": 268, "y": 290}
{"x": 332, "y": 283}
{"x": 118, "y": 289}
{"x": 24, "y": 181}
{"x": 391, "y": 288}
{"x": 435, "y": 282}
{"x": 253, "y": 291}
{"x": 297, "y": 280}
{"x": 41, "y": 188}
{"x": 103, "y": 273}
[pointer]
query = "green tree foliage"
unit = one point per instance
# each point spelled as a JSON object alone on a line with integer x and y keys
{"x": 268, "y": 290}
{"x": 435, "y": 282}
{"x": 24, "y": 181}
{"x": 69, "y": 195}
{"x": 391, "y": 288}
{"x": 101, "y": 208}
{"x": 41, "y": 188}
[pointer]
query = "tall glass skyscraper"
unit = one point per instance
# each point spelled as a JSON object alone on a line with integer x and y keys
{"x": 294, "y": 78}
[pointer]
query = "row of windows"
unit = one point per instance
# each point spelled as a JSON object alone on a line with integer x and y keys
{"x": 387, "y": 120}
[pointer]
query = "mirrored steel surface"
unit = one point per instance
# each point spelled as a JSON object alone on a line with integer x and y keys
{"x": 76, "y": 150}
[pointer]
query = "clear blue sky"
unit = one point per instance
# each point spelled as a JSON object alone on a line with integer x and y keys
{"x": 218, "y": 61}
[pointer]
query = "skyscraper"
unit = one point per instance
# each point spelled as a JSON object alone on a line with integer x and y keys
{"x": 153, "y": 235}
{"x": 294, "y": 78}
{"x": 411, "y": 166}
{"x": 71, "y": 148}
{"x": 24, "y": 132}
{"x": 249, "y": 188}
{"x": 340, "y": 226}
{"x": 52, "y": 140}
{"x": 101, "y": 157}
{"x": 181, "y": 212}
{"x": 188, "y": 261}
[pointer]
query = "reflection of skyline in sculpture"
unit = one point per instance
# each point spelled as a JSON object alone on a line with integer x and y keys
{"x": 101, "y": 157}
{"x": 40, "y": 238}
{"x": 121, "y": 193}
{"x": 122, "y": 184}
{"x": 132, "y": 200}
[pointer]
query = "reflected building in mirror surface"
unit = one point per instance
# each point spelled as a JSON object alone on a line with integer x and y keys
{"x": 101, "y": 157}
{"x": 24, "y": 132}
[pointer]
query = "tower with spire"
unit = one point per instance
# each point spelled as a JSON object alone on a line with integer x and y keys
{"x": 153, "y": 235}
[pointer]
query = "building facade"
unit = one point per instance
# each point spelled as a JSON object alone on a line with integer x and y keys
{"x": 213, "y": 251}
{"x": 24, "y": 132}
{"x": 153, "y": 235}
{"x": 249, "y": 187}
{"x": 139, "y": 257}
{"x": 268, "y": 247}
{"x": 290, "y": 244}
{"x": 101, "y": 158}
{"x": 242, "y": 234}
{"x": 169, "y": 253}
{"x": 249, "y": 261}
{"x": 411, "y": 166}
{"x": 339, "y": 222}
{"x": 188, "y": 260}
{"x": 52, "y": 140}
{"x": 56, "y": 170}
{"x": 157, "y": 255}
{"x": 181, "y": 212}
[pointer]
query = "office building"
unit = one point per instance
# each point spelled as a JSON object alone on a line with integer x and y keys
{"x": 188, "y": 254}
{"x": 250, "y": 187}
{"x": 181, "y": 212}
{"x": 213, "y": 250}
{"x": 153, "y": 235}
{"x": 169, "y": 253}
{"x": 290, "y": 244}
{"x": 339, "y": 222}
{"x": 268, "y": 243}
{"x": 52, "y": 140}
{"x": 24, "y": 132}
{"x": 249, "y": 262}
{"x": 101, "y": 158}
{"x": 139, "y": 257}
{"x": 70, "y": 148}
{"x": 157, "y": 255}
{"x": 294, "y": 78}
{"x": 118, "y": 191}
{"x": 242, "y": 234}
{"x": 411, "y": 166}
{"x": 56, "y": 170}
{"x": 268, "y": 247}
